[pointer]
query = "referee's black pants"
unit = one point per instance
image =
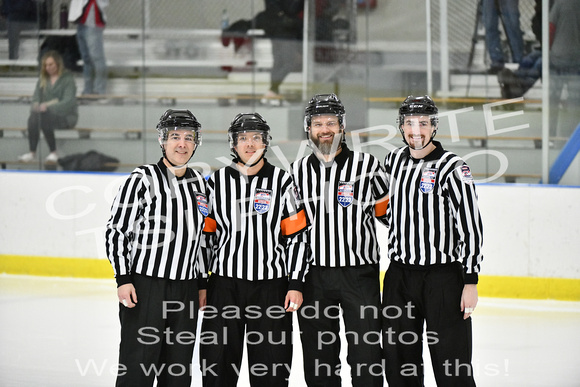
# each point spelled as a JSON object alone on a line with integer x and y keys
{"x": 355, "y": 291}
{"x": 158, "y": 334}
{"x": 411, "y": 298}
{"x": 253, "y": 310}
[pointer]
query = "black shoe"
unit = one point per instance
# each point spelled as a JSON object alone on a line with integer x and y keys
{"x": 511, "y": 86}
{"x": 495, "y": 68}
{"x": 517, "y": 90}
{"x": 504, "y": 80}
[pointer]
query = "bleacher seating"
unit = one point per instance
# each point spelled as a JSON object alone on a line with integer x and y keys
{"x": 130, "y": 52}
{"x": 193, "y": 69}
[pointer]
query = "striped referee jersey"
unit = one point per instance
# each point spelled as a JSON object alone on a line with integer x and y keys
{"x": 156, "y": 225}
{"x": 433, "y": 205}
{"x": 342, "y": 198}
{"x": 255, "y": 226}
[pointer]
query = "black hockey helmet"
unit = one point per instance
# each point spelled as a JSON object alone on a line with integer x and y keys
{"x": 178, "y": 119}
{"x": 248, "y": 122}
{"x": 324, "y": 104}
{"x": 418, "y": 106}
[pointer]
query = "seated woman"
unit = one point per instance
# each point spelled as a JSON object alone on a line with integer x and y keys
{"x": 54, "y": 105}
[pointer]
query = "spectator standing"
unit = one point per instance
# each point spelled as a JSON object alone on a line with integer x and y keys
{"x": 564, "y": 66}
{"x": 258, "y": 262}
{"x": 515, "y": 84}
{"x": 54, "y": 105}
{"x": 20, "y": 15}
{"x": 282, "y": 22}
{"x": 344, "y": 192}
{"x": 90, "y": 18}
{"x": 510, "y": 15}
{"x": 434, "y": 247}
{"x": 152, "y": 240}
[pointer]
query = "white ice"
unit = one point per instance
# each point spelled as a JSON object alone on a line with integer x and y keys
{"x": 65, "y": 332}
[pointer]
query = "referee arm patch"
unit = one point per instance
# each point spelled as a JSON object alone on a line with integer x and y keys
{"x": 210, "y": 225}
{"x": 381, "y": 207}
{"x": 294, "y": 223}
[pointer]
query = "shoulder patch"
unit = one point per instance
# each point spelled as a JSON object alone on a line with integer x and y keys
{"x": 465, "y": 174}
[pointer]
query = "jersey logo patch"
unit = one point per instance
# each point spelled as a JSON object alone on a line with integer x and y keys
{"x": 465, "y": 174}
{"x": 428, "y": 180}
{"x": 202, "y": 203}
{"x": 345, "y": 194}
{"x": 262, "y": 200}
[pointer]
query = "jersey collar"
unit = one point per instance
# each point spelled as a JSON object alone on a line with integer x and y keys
{"x": 434, "y": 155}
{"x": 263, "y": 172}
{"x": 340, "y": 158}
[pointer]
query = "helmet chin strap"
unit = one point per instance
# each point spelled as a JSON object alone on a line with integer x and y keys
{"x": 237, "y": 159}
{"x": 424, "y": 146}
{"x": 174, "y": 165}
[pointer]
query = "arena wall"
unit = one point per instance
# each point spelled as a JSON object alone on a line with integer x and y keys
{"x": 52, "y": 224}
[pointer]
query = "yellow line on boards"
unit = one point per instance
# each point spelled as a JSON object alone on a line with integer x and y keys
{"x": 55, "y": 266}
{"x": 489, "y": 285}
{"x": 566, "y": 289}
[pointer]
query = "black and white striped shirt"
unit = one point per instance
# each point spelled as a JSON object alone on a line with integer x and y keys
{"x": 258, "y": 224}
{"x": 156, "y": 225}
{"x": 342, "y": 200}
{"x": 433, "y": 211}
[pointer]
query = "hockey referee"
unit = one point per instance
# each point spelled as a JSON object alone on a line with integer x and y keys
{"x": 344, "y": 192}
{"x": 153, "y": 242}
{"x": 258, "y": 255}
{"x": 435, "y": 240}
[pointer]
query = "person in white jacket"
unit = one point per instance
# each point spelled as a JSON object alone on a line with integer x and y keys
{"x": 90, "y": 18}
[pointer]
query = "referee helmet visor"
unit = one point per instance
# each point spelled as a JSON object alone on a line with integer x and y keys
{"x": 178, "y": 119}
{"x": 418, "y": 106}
{"x": 324, "y": 104}
{"x": 248, "y": 122}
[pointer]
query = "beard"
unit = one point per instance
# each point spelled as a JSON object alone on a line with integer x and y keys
{"x": 327, "y": 147}
{"x": 417, "y": 145}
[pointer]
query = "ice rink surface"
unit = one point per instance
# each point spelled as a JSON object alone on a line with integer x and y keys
{"x": 65, "y": 332}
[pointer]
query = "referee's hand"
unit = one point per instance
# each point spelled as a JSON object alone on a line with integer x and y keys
{"x": 127, "y": 295}
{"x": 293, "y": 300}
{"x": 468, "y": 300}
